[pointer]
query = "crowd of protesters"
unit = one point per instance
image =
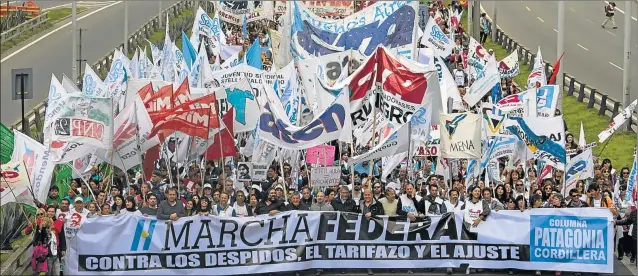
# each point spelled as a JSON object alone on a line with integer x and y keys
{"x": 413, "y": 189}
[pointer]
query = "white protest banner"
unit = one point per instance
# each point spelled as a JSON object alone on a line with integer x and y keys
{"x": 546, "y": 100}
{"x": 14, "y": 184}
{"x": 509, "y": 67}
{"x": 432, "y": 145}
{"x": 263, "y": 10}
{"x": 397, "y": 142}
{"x": 85, "y": 120}
{"x": 38, "y": 162}
{"x": 544, "y": 137}
{"x": 618, "y": 121}
{"x": 56, "y": 101}
{"x": 259, "y": 172}
{"x": 433, "y": 37}
{"x": 580, "y": 167}
{"x": 537, "y": 77}
{"x": 214, "y": 245}
{"x": 461, "y": 136}
{"x": 244, "y": 171}
{"x": 391, "y": 24}
{"x": 483, "y": 84}
{"x": 324, "y": 177}
{"x": 280, "y": 7}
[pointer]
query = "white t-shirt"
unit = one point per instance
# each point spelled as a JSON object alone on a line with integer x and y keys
{"x": 597, "y": 202}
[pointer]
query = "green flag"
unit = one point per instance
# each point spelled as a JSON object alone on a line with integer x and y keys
{"x": 6, "y": 144}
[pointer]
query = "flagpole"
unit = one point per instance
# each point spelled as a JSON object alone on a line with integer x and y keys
{"x": 281, "y": 170}
{"x": 374, "y": 129}
{"x": 87, "y": 184}
{"x": 410, "y": 170}
{"x": 207, "y": 145}
{"x": 112, "y": 141}
{"x": 16, "y": 198}
{"x": 137, "y": 137}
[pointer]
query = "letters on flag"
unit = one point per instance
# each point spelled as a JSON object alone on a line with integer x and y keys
{"x": 494, "y": 120}
{"x": 333, "y": 123}
{"x": 580, "y": 167}
{"x": 544, "y": 137}
{"x": 404, "y": 88}
{"x": 433, "y": 37}
{"x": 509, "y": 66}
{"x": 483, "y": 84}
{"x": 194, "y": 117}
{"x": 618, "y": 121}
{"x": 546, "y": 100}
{"x": 390, "y": 24}
{"x": 85, "y": 120}
{"x": 92, "y": 85}
{"x": 461, "y": 136}
{"x": 38, "y": 162}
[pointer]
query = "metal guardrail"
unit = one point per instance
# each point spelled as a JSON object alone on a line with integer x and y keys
{"x": 584, "y": 93}
{"x": 18, "y": 262}
{"x": 24, "y": 27}
{"x": 35, "y": 116}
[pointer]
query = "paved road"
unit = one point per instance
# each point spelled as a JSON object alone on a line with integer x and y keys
{"x": 593, "y": 55}
{"x": 619, "y": 269}
{"x": 105, "y": 31}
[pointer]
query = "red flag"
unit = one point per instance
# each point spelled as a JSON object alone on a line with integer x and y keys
{"x": 552, "y": 79}
{"x": 150, "y": 156}
{"x": 194, "y": 117}
{"x": 146, "y": 92}
{"x": 214, "y": 151}
{"x": 165, "y": 98}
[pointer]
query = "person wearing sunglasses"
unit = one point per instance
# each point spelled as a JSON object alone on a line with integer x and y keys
{"x": 574, "y": 200}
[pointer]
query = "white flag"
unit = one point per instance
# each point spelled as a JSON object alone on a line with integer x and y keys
{"x": 581, "y": 138}
{"x": 92, "y": 85}
{"x": 85, "y": 120}
{"x": 580, "y": 167}
{"x": 538, "y": 72}
{"x": 38, "y": 163}
{"x": 509, "y": 67}
{"x": 14, "y": 184}
{"x": 461, "y": 136}
{"x": 484, "y": 84}
{"x": 618, "y": 121}
{"x": 433, "y": 37}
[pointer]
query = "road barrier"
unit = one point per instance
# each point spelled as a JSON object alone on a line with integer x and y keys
{"x": 28, "y": 25}
{"x": 35, "y": 116}
{"x": 584, "y": 93}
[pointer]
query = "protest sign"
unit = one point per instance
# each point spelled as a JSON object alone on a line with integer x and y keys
{"x": 324, "y": 177}
{"x": 260, "y": 172}
{"x": 322, "y": 155}
{"x": 244, "y": 170}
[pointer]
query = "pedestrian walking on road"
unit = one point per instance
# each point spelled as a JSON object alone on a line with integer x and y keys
{"x": 485, "y": 28}
{"x": 610, "y": 10}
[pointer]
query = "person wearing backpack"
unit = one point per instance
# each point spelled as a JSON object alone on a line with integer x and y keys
{"x": 610, "y": 10}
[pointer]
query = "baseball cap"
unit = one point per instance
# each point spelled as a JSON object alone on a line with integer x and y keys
{"x": 79, "y": 199}
{"x": 208, "y": 186}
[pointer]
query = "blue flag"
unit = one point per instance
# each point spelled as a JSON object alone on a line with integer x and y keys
{"x": 190, "y": 54}
{"x": 253, "y": 56}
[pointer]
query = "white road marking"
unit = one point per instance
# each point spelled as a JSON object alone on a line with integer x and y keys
{"x": 541, "y": 19}
{"x": 555, "y": 30}
{"x": 527, "y": 8}
{"x": 572, "y": 9}
{"x": 581, "y": 46}
{"x": 590, "y": 21}
{"x": 611, "y": 33}
{"x": 614, "y": 65}
{"x": 54, "y": 31}
{"x": 621, "y": 11}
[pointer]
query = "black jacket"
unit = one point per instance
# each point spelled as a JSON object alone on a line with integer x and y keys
{"x": 263, "y": 209}
{"x": 301, "y": 207}
{"x": 348, "y": 206}
{"x": 375, "y": 208}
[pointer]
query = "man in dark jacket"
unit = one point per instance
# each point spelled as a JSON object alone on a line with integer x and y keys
{"x": 271, "y": 205}
{"x": 574, "y": 200}
{"x": 294, "y": 203}
{"x": 307, "y": 196}
{"x": 344, "y": 203}
{"x": 370, "y": 207}
{"x": 432, "y": 203}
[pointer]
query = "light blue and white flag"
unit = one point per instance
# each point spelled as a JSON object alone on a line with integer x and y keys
{"x": 92, "y": 85}
{"x": 579, "y": 168}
